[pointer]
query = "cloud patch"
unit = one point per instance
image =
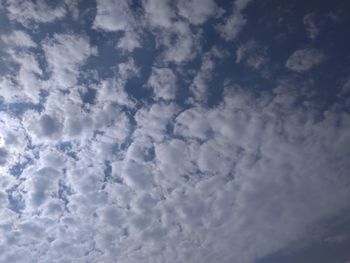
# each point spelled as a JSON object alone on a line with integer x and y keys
{"x": 303, "y": 60}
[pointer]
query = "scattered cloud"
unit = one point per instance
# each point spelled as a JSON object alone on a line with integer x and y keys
{"x": 64, "y": 54}
{"x": 312, "y": 26}
{"x": 111, "y": 150}
{"x": 113, "y": 16}
{"x": 198, "y": 12}
{"x": 234, "y": 23}
{"x": 18, "y": 38}
{"x": 252, "y": 54}
{"x": 303, "y": 60}
{"x": 159, "y": 13}
{"x": 164, "y": 83}
{"x": 27, "y": 12}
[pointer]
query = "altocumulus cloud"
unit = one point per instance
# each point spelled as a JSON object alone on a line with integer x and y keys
{"x": 172, "y": 131}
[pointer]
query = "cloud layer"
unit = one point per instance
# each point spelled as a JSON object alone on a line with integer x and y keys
{"x": 162, "y": 131}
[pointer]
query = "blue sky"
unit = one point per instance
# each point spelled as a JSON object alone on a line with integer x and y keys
{"x": 174, "y": 131}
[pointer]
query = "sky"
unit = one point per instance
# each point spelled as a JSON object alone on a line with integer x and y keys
{"x": 179, "y": 131}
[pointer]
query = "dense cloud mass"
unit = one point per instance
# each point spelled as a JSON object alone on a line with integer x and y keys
{"x": 174, "y": 131}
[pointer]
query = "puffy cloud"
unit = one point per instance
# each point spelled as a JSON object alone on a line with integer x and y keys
{"x": 198, "y": 12}
{"x": 43, "y": 127}
{"x": 13, "y": 141}
{"x": 233, "y": 24}
{"x": 190, "y": 124}
{"x": 174, "y": 159}
{"x": 129, "y": 41}
{"x": 252, "y": 54}
{"x": 303, "y": 60}
{"x": 154, "y": 121}
{"x": 112, "y": 90}
{"x": 164, "y": 83}
{"x": 89, "y": 173}
{"x": 27, "y": 12}
{"x": 65, "y": 53}
{"x": 159, "y": 13}
{"x": 18, "y": 38}
{"x": 113, "y": 15}
{"x": 25, "y": 84}
{"x": 201, "y": 81}
{"x": 345, "y": 89}
{"x": 3, "y": 156}
{"x": 181, "y": 44}
{"x": 40, "y": 187}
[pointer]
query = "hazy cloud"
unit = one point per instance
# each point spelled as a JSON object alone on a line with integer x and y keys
{"x": 303, "y": 60}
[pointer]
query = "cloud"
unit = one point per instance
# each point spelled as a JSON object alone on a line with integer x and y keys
{"x": 159, "y": 13}
{"x": 18, "y": 38}
{"x": 164, "y": 83}
{"x": 201, "y": 81}
{"x": 89, "y": 173}
{"x": 112, "y": 90}
{"x": 24, "y": 84}
{"x": 65, "y": 53}
{"x": 232, "y": 25}
{"x": 43, "y": 127}
{"x": 118, "y": 16}
{"x": 303, "y": 60}
{"x": 129, "y": 42}
{"x": 174, "y": 159}
{"x": 198, "y": 12}
{"x": 153, "y": 121}
{"x": 27, "y": 12}
{"x": 252, "y": 54}
{"x": 13, "y": 141}
{"x": 113, "y": 16}
{"x": 181, "y": 44}
{"x": 312, "y": 26}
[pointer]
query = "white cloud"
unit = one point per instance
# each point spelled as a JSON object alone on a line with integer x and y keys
{"x": 200, "y": 83}
{"x": 26, "y": 12}
{"x": 112, "y": 90}
{"x": 164, "y": 83}
{"x": 40, "y": 187}
{"x": 129, "y": 41}
{"x": 153, "y": 121}
{"x": 174, "y": 159}
{"x": 242, "y": 173}
{"x": 120, "y": 179}
{"x": 303, "y": 60}
{"x": 18, "y": 38}
{"x": 65, "y": 53}
{"x": 190, "y": 124}
{"x": 159, "y": 12}
{"x": 233, "y": 24}
{"x": 13, "y": 141}
{"x": 251, "y": 54}
{"x": 198, "y": 11}
{"x": 25, "y": 84}
{"x": 43, "y": 127}
{"x": 181, "y": 44}
{"x": 113, "y": 15}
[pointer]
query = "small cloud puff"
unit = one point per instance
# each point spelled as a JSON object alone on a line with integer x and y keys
{"x": 303, "y": 60}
